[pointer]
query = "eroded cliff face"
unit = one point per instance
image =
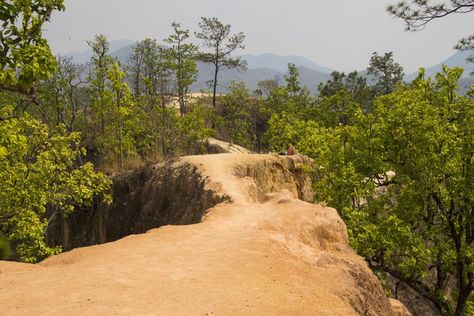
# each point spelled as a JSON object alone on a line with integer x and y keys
{"x": 276, "y": 174}
{"x": 174, "y": 193}
{"x": 254, "y": 247}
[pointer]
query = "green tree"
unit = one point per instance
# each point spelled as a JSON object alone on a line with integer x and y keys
{"x": 25, "y": 56}
{"x": 163, "y": 84}
{"x": 183, "y": 62}
{"x": 155, "y": 81}
{"x": 100, "y": 62}
{"x": 291, "y": 98}
{"x": 60, "y": 95}
{"x": 337, "y": 109}
{"x": 143, "y": 72}
{"x": 339, "y": 97}
{"x": 353, "y": 85}
{"x": 279, "y": 101}
{"x": 402, "y": 179}
{"x": 284, "y": 128}
{"x": 39, "y": 182}
{"x": 386, "y": 72}
{"x": 118, "y": 139}
{"x": 134, "y": 68}
{"x": 266, "y": 87}
{"x": 292, "y": 80}
{"x": 216, "y": 36}
{"x": 427, "y": 132}
{"x": 194, "y": 129}
{"x": 114, "y": 115}
{"x": 235, "y": 113}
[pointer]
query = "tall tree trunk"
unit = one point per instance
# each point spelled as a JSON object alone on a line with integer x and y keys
{"x": 465, "y": 285}
{"x": 156, "y": 149}
{"x": 121, "y": 146}
{"x": 66, "y": 234}
{"x": 182, "y": 106}
{"x": 462, "y": 300}
{"x": 102, "y": 124}
{"x": 464, "y": 282}
{"x": 215, "y": 87}
{"x": 163, "y": 125}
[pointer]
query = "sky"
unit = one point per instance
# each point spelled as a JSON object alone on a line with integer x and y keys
{"x": 340, "y": 35}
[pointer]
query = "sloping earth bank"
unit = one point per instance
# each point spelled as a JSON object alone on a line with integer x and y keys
{"x": 262, "y": 251}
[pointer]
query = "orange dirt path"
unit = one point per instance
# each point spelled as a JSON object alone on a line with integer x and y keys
{"x": 280, "y": 257}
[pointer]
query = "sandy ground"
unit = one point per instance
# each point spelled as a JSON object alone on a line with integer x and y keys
{"x": 245, "y": 258}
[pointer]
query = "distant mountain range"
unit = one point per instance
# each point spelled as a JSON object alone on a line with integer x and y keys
{"x": 309, "y": 78}
{"x": 280, "y": 63}
{"x": 272, "y": 66}
{"x": 115, "y": 46}
{"x": 456, "y": 60}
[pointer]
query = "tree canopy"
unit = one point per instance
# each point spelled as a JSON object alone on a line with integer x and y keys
{"x": 386, "y": 72}
{"x": 183, "y": 62}
{"x": 25, "y": 56}
{"x": 401, "y": 177}
{"x": 216, "y": 36}
{"x": 39, "y": 171}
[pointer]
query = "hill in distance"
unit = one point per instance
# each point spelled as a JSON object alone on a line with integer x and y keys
{"x": 458, "y": 59}
{"x": 115, "y": 47}
{"x": 280, "y": 63}
{"x": 272, "y": 66}
{"x": 259, "y": 67}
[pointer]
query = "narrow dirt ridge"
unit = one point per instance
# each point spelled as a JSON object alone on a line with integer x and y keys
{"x": 262, "y": 253}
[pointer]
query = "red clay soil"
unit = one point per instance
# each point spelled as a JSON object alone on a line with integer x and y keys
{"x": 279, "y": 257}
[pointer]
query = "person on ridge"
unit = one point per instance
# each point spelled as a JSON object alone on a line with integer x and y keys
{"x": 291, "y": 150}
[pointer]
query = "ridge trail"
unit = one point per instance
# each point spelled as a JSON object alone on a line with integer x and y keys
{"x": 281, "y": 256}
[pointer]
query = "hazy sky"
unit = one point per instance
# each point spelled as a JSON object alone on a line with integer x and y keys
{"x": 337, "y": 34}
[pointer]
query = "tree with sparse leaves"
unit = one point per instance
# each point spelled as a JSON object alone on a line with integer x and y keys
{"x": 100, "y": 62}
{"x": 183, "y": 62}
{"x": 155, "y": 86}
{"x": 292, "y": 80}
{"x": 60, "y": 95}
{"x": 386, "y": 72}
{"x": 113, "y": 107}
{"x": 216, "y": 36}
{"x": 266, "y": 87}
